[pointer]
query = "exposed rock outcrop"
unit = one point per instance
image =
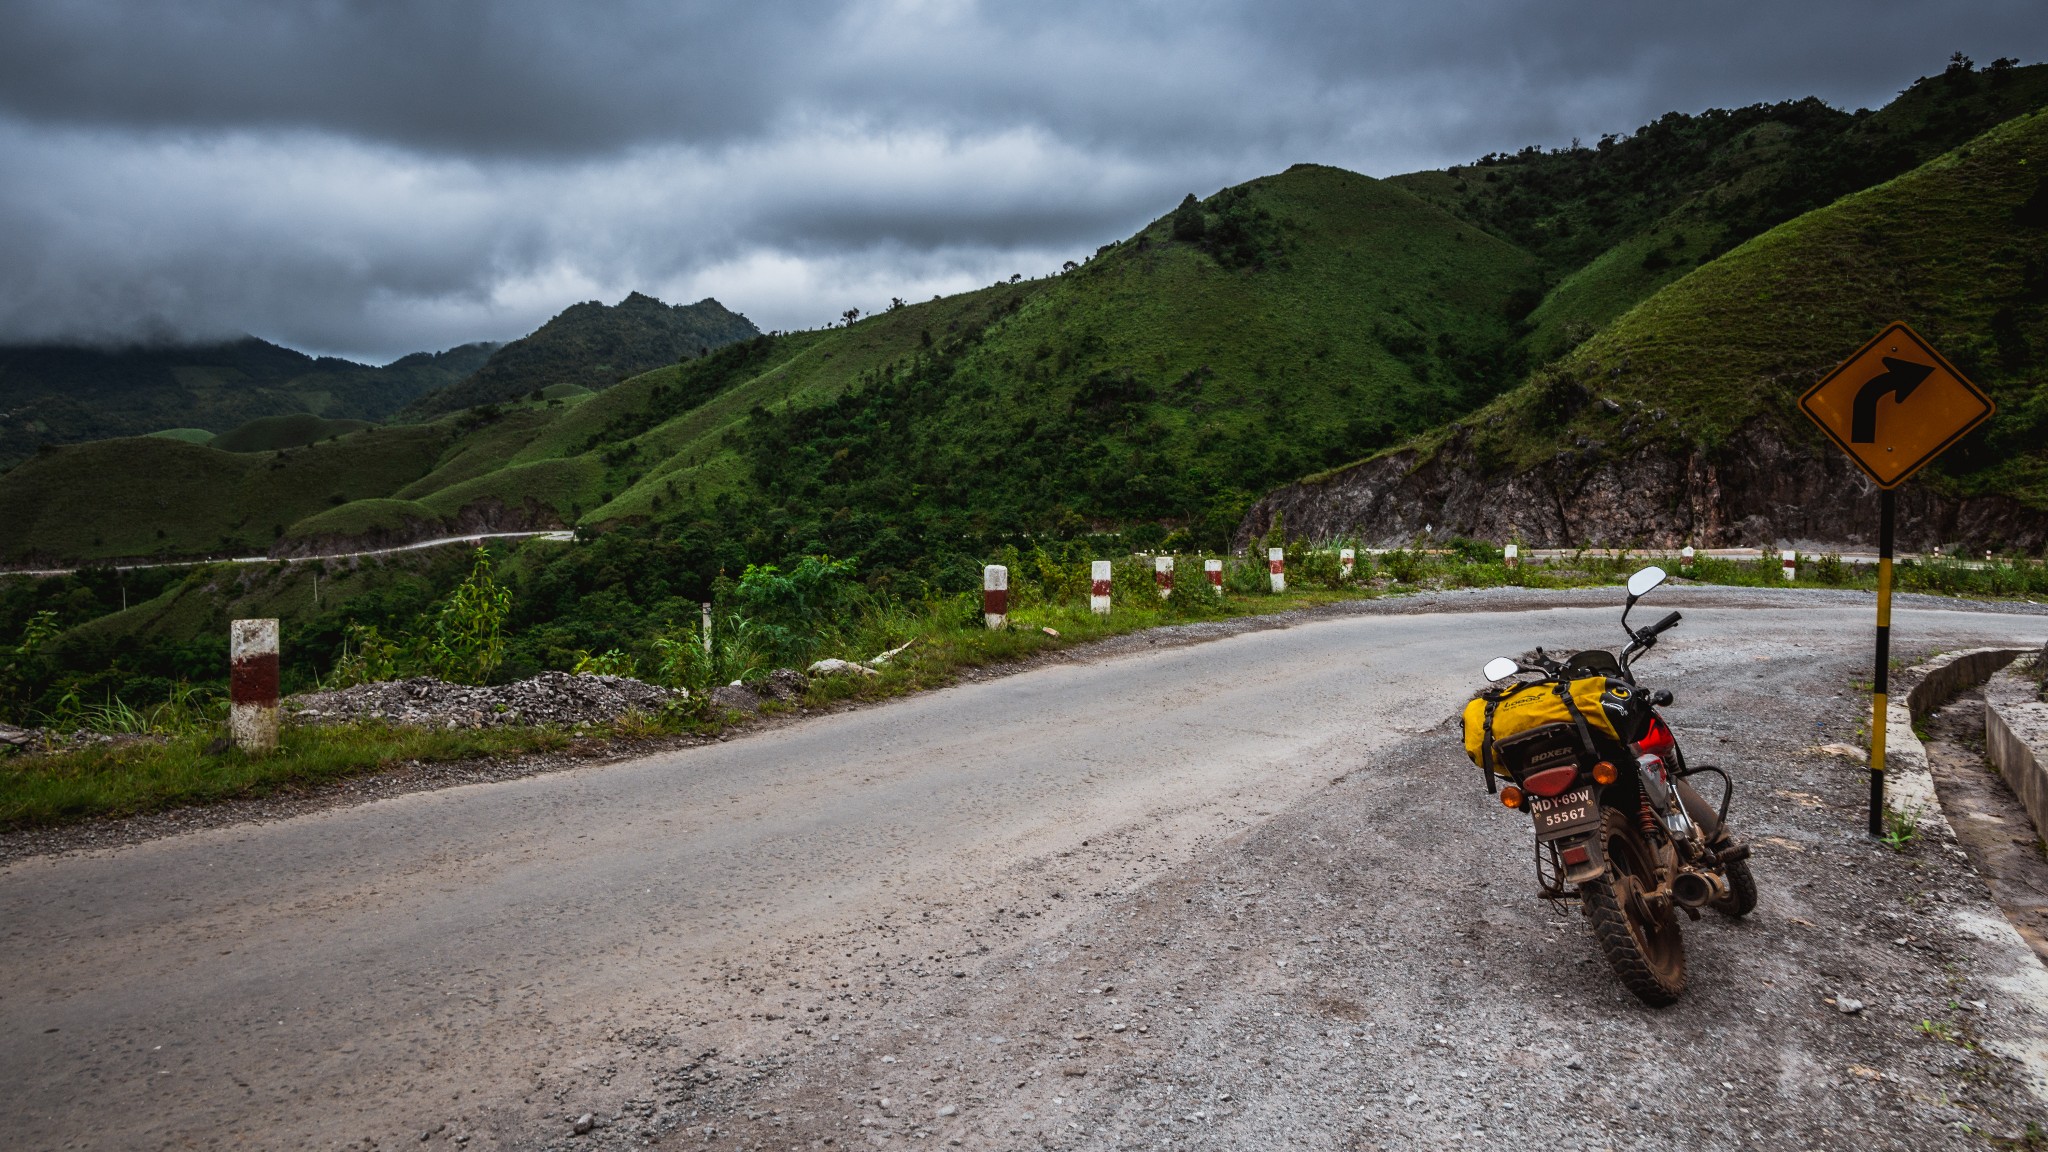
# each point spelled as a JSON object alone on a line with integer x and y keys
{"x": 1756, "y": 490}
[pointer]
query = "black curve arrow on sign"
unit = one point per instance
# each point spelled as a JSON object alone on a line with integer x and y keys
{"x": 1899, "y": 377}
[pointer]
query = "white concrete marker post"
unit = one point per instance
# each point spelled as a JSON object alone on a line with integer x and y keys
{"x": 1791, "y": 562}
{"x": 1511, "y": 555}
{"x": 1347, "y": 559}
{"x": 1162, "y": 575}
{"x": 1214, "y": 570}
{"x": 707, "y": 628}
{"x": 1685, "y": 559}
{"x": 1098, "y": 587}
{"x": 995, "y": 596}
{"x": 252, "y": 685}
{"x": 1276, "y": 563}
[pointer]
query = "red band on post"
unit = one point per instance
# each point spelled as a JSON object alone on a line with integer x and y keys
{"x": 253, "y": 679}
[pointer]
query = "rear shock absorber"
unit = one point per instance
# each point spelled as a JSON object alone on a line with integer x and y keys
{"x": 1645, "y": 817}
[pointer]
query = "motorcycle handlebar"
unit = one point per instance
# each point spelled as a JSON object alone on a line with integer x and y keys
{"x": 1662, "y": 626}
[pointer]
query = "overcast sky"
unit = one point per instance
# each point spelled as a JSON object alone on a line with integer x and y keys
{"x": 371, "y": 177}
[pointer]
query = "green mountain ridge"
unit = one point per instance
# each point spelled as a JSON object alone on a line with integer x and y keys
{"x": 594, "y": 346}
{"x": 1689, "y": 399}
{"x": 61, "y": 394}
{"x": 1614, "y": 222}
{"x": 1167, "y": 380}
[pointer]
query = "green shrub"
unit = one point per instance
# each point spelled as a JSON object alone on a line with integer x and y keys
{"x": 1247, "y": 576}
{"x": 1313, "y": 568}
{"x": 1403, "y": 566}
{"x": 467, "y": 641}
{"x": 610, "y": 662}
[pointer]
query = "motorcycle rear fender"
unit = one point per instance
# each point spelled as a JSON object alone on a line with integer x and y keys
{"x": 1584, "y": 857}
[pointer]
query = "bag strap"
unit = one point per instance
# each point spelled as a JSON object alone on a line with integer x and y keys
{"x": 1564, "y": 695}
{"x": 1486, "y": 744}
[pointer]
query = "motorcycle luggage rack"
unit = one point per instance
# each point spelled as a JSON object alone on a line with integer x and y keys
{"x": 1550, "y": 875}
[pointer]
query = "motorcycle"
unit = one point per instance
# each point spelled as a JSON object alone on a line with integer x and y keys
{"x": 1584, "y": 750}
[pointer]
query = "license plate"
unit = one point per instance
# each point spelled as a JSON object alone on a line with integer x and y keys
{"x": 1565, "y": 814}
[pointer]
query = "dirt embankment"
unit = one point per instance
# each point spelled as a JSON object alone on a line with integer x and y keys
{"x": 1756, "y": 489}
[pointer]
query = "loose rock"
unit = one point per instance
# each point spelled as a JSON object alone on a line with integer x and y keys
{"x": 736, "y": 699}
{"x": 787, "y": 685}
{"x": 838, "y": 667}
{"x": 549, "y": 698}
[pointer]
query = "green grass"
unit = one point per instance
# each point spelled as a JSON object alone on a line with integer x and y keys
{"x": 146, "y": 776}
{"x": 188, "y": 435}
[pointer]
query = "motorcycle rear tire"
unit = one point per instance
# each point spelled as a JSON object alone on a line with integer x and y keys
{"x": 1644, "y": 948}
{"x": 1741, "y": 898}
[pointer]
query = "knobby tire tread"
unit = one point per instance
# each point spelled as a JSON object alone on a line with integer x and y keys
{"x": 1610, "y": 928}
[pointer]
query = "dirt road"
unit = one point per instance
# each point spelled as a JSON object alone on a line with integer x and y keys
{"x": 1234, "y": 894}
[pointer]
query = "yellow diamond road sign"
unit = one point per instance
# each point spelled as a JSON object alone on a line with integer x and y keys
{"x": 1895, "y": 405}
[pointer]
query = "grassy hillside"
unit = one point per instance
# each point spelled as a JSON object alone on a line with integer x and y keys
{"x": 1309, "y": 315}
{"x": 1616, "y": 221}
{"x": 1957, "y": 247}
{"x": 274, "y": 433}
{"x": 593, "y": 346}
{"x": 66, "y": 395}
{"x": 151, "y": 495}
{"x": 1279, "y": 326}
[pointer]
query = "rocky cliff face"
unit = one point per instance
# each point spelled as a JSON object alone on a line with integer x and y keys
{"x": 1757, "y": 490}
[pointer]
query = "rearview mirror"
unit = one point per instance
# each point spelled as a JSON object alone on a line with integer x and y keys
{"x": 1645, "y": 580}
{"x": 1500, "y": 668}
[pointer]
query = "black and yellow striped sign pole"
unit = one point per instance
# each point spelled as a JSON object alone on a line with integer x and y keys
{"x": 1880, "y": 696}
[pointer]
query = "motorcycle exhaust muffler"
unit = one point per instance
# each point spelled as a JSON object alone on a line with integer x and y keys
{"x": 1698, "y": 889}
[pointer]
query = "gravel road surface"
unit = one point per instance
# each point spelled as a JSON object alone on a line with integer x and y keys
{"x": 1244, "y": 893}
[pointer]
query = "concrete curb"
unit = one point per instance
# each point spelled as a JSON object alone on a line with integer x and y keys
{"x": 1944, "y": 677}
{"x": 2023, "y": 977}
{"x": 2016, "y": 736}
{"x": 1909, "y": 784}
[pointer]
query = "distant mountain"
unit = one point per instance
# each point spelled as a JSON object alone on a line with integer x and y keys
{"x": 594, "y": 346}
{"x": 56, "y": 394}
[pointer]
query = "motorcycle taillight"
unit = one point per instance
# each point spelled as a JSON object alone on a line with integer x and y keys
{"x": 1658, "y": 741}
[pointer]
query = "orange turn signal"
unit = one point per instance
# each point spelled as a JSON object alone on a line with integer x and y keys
{"x": 1511, "y": 796}
{"x": 1605, "y": 773}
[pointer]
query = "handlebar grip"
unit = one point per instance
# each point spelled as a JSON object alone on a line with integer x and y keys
{"x": 1664, "y": 625}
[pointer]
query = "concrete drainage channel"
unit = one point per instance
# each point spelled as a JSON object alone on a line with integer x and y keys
{"x": 2013, "y": 729}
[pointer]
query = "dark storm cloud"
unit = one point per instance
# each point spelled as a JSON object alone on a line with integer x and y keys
{"x": 372, "y": 177}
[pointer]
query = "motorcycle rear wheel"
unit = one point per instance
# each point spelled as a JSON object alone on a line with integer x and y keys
{"x": 1642, "y": 945}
